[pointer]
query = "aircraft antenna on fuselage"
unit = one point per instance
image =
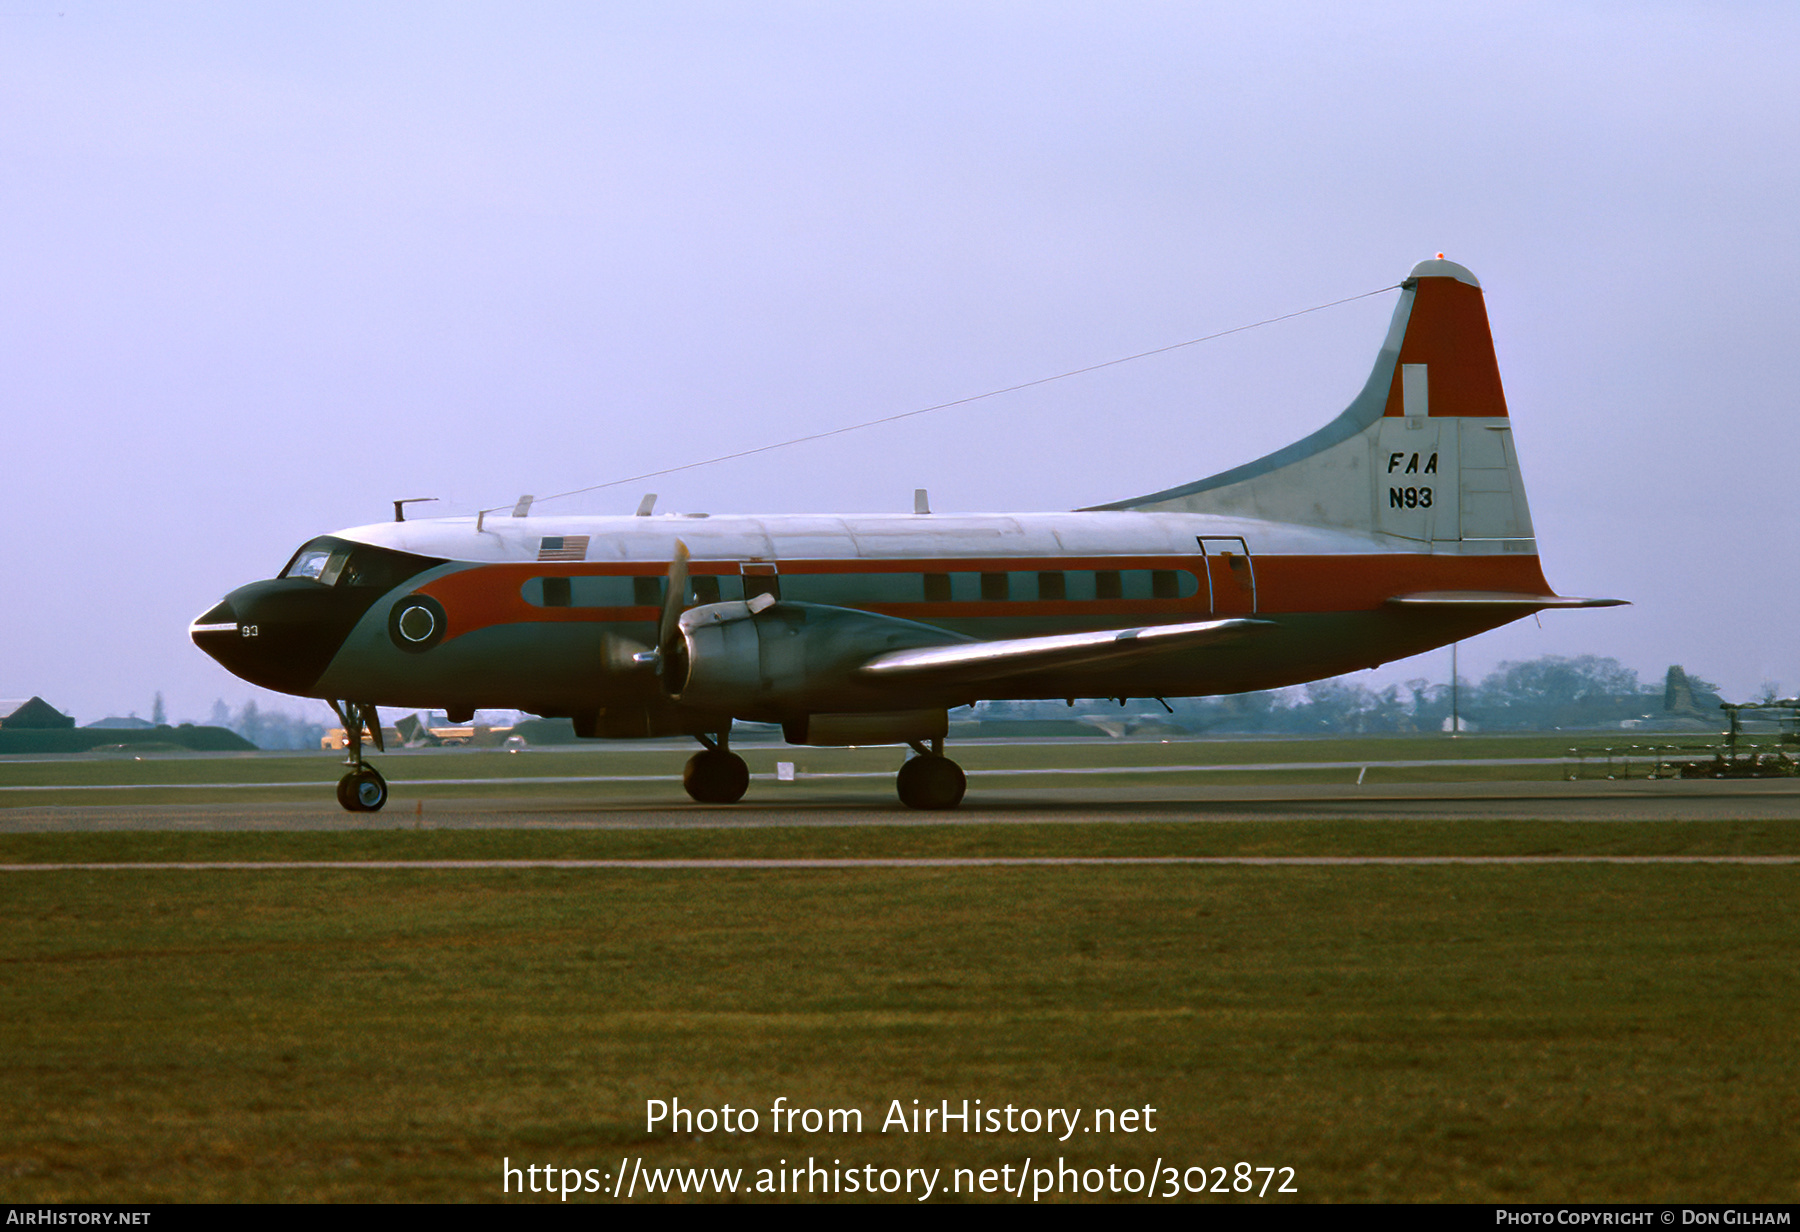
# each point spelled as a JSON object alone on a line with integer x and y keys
{"x": 955, "y": 402}
{"x": 400, "y": 505}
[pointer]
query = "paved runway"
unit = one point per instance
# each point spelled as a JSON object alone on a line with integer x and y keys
{"x": 664, "y": 807}
{"x": 833, "y": 864}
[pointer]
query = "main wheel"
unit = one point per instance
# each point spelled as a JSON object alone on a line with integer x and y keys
{"x": 713, "y": 776}
{"x": 364, "y": 791}
{"x": 931, "y": 782}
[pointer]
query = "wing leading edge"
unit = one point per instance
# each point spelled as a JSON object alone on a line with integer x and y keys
{"x": 1024, "y": 655}
{"x": 1498, "y": 599}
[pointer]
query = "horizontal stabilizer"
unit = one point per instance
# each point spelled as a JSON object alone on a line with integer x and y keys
{"x": 1023, "y": 655}
{"x": 1498, "y": 598}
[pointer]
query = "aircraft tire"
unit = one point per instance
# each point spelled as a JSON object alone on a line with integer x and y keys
{"x": 713, "y": 776}
{"x": 365, "y": 791}
{"x": 931, "y": 782}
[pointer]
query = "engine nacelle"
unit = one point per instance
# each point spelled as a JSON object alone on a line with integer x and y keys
{"x": 631, "y": 722}
{"x": 772, "y": 661}
{"x": 865, "y": 727}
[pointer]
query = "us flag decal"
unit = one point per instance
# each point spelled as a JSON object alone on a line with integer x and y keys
{"x": 563, "y": 547}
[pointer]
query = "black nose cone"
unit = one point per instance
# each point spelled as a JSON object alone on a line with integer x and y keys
{"x": 216, "y": 631}
{"x": 280, "y": 634}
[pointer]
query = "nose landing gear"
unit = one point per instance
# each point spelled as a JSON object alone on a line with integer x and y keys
{"x": 363, "y": 790}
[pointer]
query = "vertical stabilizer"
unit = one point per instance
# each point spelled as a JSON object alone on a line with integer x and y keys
{"x": 1424, "y": 452}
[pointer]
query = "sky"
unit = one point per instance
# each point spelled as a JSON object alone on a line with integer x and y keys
{"x": 269, "y": 267}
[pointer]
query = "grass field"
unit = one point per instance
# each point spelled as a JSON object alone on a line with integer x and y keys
{"x": 1497, "y": 1033}
{"x": 1494, "y": 1033}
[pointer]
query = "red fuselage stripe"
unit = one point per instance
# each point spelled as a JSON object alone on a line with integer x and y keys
{"x": 481, "y": 596}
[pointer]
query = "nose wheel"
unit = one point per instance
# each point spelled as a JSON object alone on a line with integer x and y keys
{"x": 363, "y": 790}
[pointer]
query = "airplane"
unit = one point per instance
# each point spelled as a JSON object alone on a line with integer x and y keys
{"x": 1398, "y": 527}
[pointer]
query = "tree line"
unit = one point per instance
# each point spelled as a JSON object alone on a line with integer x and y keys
{"x": 1539, "y": 694}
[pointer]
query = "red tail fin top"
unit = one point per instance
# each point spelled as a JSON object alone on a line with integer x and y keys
{"x": 1448, "y": 333}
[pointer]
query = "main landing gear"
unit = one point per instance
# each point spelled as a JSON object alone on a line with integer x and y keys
{"x": 930, "y": 780}
{"x": 716, "y": 775}
{"x": 363, "y": 790}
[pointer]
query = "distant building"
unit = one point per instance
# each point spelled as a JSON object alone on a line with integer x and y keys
{"x": 113, "y": 722}
{"x": 32, "y": 712}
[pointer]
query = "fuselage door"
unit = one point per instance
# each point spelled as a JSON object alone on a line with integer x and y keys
{"x": 1230, "y": 574}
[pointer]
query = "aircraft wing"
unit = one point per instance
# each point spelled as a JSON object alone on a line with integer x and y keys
{"x": 1501, "y": 599}
{"x": 1024, "y": 655}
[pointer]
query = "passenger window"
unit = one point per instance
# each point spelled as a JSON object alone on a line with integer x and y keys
{"x": 647, "y": 591}
{"x": 1164, "y": 584}
{"x": 1052, "y": 586}
{"x": 706, "y": 588}
{"x": 1107, "y": 584}
{"x": 556, "y": 592}
{"x": 993, "y": 586}
{"x": 937, "y": 588}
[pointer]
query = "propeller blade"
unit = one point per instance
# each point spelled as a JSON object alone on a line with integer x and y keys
{"x": 668, "y": 634}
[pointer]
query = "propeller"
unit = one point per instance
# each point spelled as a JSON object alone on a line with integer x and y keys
{"x": 671, "y": 651}
{"x": 668, "y": 634}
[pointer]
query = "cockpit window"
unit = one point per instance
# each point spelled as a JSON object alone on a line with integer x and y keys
{"x": 338, "y": 562}
{"x": 311, "y": 562}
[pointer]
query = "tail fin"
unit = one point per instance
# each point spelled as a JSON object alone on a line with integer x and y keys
{"x": 413, "y": 734}
{"x": 1424, "y": 452}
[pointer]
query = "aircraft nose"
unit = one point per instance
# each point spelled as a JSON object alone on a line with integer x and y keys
{"x": 217, "y": 619}
{"x": 215, "y": 630}
{"x": 280, "y": 634}
{"x": 220, "y": 634}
